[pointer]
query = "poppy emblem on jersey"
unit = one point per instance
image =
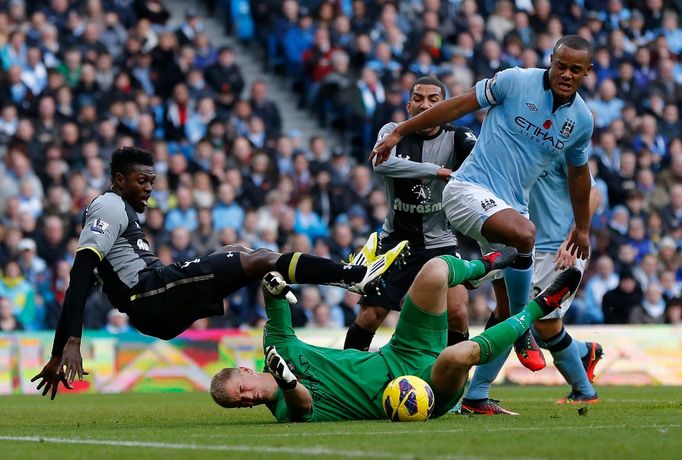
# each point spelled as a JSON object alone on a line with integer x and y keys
{"x": 99, "y": 226}
{"x": 547, "y": 124}
{"x": 532, "y": 107}
{"x": 567, "y": 128}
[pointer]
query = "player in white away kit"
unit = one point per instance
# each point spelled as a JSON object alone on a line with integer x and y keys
{"x": 575, "y": 360}
{"x": 535, "y": 116}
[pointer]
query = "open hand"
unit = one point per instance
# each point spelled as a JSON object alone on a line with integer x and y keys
{"x": 578, "y": 244}
{"x": 50, "y": 377}
{"x": 444, "y": 174}
{"x": 563, "y": 258}
{"x": 382, "y": 150}
{"x": 72, "y": 361}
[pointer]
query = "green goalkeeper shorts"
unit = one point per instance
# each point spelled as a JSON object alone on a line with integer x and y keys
{"x": 417, "y": 341}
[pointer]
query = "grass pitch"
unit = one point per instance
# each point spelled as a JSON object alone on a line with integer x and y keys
{"x": 629, "y": 423}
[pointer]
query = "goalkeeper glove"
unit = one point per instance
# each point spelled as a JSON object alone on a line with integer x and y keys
{"x": 279, "y": 369}
{"x": 277, "y": 287}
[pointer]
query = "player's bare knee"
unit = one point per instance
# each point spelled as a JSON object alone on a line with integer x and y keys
{"x": 524, "y": 236}
{"x": 433, "y": 276}
{"x": 458, "y": 358}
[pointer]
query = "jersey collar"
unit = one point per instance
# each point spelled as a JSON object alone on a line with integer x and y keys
{"x": 432, "y": 136}
{"x": 545, "y": 84}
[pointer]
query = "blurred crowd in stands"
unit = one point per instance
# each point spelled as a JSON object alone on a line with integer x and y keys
{"x": 80, "y": 78}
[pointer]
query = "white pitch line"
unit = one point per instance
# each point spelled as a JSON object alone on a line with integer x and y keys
{"x": 307, "y": 451}
{"x": 601, "y": 400}
{"x": 454, "y": 430}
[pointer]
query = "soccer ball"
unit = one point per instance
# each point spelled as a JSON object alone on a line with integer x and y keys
{"x": 408, "y": 399}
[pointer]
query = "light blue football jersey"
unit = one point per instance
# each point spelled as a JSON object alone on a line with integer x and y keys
{"x": 521, "y": 135}
{"x": 550, "y": 208}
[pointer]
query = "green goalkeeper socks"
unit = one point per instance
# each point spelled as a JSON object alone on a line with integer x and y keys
{"x": 500, "y": 337}
{"x": 462, "y": 270}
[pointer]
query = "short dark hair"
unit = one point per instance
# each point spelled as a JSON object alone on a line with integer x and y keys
{"x": 428, "y": 81}
{"x": 124, "y": 158}
{"x": 575, "y": 42}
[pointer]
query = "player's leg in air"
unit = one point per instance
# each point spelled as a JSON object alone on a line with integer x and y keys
{"x": 574, "y": 359}
{"x": 298, "y": 268}
{"x": 374, "y": 307}
{"x": 449, "y": 373}
{"x": 200, "y": 285}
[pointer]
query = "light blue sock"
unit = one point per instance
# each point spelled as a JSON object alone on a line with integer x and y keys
{"x": 566, "y": 354}
{"x": 582, "y": 347}
{"x": 479, "y": 388}
{"x": 518, "y": 287}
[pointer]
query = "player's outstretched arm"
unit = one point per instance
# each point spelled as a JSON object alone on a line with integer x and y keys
{"x": 296, "y": 396}
{"x": 443, "y": 112}
{"x": 66, "y": 363}
{"x": 579, "y": 189}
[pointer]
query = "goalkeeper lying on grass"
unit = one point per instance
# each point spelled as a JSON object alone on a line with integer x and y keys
{"x": 308, "y": 383}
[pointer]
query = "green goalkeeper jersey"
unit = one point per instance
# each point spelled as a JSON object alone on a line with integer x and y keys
{"x": 349, "y": 384}
{"x": 344, "y": 384}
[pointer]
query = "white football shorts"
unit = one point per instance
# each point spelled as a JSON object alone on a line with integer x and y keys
{"x": 544, "y": 274}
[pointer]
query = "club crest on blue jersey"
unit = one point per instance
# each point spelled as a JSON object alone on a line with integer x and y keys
{"x": 567, "y": 128}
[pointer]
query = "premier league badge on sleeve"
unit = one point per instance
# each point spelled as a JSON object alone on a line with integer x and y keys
{"x": 99, "y": 226}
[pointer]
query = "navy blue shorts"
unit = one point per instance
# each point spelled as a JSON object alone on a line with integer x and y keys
{"x": 167, "y": 300}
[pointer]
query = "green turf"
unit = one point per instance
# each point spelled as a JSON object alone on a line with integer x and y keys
{"x": 629, "y": 423}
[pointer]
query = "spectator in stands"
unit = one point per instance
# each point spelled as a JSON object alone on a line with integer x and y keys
{"x": 33, "y": 268}
{"x": 619, "y": 302}
{"x": 308, "y": 221}
{"x": 652, "y": 308}
{"x": 608, "y": 107}
{"x": 117, "y": 322}
{"x": 646, "y": 271}
{"x": 673, "y": 311}
{"x": 265, "y": 109}
{"x": 672, "y": 213}
{"x": 15, "y": 287}
{"x": 603, "y": 281}
{"x": 227, "y": 213}
{"x": 52, "y": 242}
{"x": 8, "y": 322}
{"x": 185, "y": 214}
{"x": 181, "y": 245}
{"x": 638, "y": 239}
{"x": 225, "y": 76}
{"x": 363, "y": 99}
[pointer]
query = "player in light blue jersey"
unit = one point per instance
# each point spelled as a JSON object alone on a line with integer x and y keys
{"x": 575, "y": 360}
{"x": 535, "y": 116}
